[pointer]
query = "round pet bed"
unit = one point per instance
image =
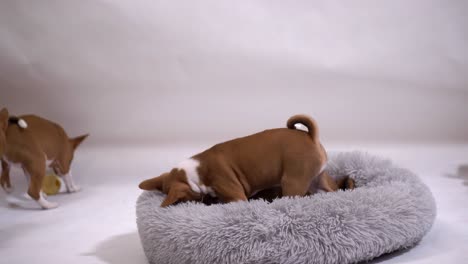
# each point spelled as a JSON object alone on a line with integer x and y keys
{"x": 390, "y": 209}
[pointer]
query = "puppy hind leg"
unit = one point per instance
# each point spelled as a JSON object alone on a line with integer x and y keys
{"x": 37, "y": 174}
{"x": 5, "y": 177}
{"x": 297, "y": 178}
{"x": 293, "y": 186}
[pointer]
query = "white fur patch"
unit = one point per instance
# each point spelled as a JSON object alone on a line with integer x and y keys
{"x": 190, "y": 167}
{"x": 22, "y": 123}
{"x": 46, "y": 204}
{"x": 300, "y": 126}
{"x": 69, "y": 183}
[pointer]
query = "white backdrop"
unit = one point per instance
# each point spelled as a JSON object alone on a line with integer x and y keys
{"x": 143, "y": 72}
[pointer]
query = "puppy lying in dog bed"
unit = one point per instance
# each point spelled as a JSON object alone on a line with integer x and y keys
{"x": 237, "y": 169}
{"x": 390, "y": 209}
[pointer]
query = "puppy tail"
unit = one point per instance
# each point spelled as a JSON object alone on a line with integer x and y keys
{"x": 306, "y": 121}
{"x": 17, "y": 121}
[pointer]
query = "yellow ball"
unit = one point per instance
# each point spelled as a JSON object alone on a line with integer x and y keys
{"x": 51, "y": 184}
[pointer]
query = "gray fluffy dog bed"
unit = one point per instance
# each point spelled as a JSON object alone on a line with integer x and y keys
{"x": 390, "y": 209}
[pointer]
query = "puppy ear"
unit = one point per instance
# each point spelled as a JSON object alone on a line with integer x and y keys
{"x": 172, "y": 197}
{"x": 4, "y": 119}
{"x": 152, "y": 184}
{"x": 327, "y": 183}
{"x": 78, "y": 140}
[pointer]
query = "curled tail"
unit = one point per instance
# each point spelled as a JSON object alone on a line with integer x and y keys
{"x": 306, "y": 121}
{"x": 17, "y": 121}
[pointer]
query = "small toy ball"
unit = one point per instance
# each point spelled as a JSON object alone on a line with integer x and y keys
{"x": 51, "y": 184}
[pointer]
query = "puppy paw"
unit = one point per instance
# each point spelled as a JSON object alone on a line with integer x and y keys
{"x": 74, "y": 188}
{"x": 49, "y": 205}
{"x": 46, "y": 204}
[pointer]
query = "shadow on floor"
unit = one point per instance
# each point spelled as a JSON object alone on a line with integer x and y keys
{"x": 462, "y": 174}
{"x": 386, "y": 257}
{"x": 120, "y": 249}
{"x": 8, "y": 233}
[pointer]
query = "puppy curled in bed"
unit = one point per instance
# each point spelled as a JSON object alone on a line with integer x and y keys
{"x": 286, "y": 159}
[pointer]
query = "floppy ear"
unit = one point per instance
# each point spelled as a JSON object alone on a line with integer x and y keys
{"x": 152, "y": 184}
{"x": 326, "y": 183}
{"x": 172, "y": 197}
{"x": 4, "y": 119}
{"x": 78, "y": 140}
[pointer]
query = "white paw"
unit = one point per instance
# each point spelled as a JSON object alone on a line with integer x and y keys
{"x": 50, "y": 205}
{"x": 74, "y": 188}
{"x": 46, "y": 204}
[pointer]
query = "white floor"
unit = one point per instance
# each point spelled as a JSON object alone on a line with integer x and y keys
{"x": 97, "y": 225}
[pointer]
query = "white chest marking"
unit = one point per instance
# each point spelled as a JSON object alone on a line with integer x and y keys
{"x": 190, "y": 167}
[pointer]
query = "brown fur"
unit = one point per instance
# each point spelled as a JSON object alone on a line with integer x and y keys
{"x": 238, "y": 168}
{"x": 30, "y": 147}
{"x": 3, "y": 127}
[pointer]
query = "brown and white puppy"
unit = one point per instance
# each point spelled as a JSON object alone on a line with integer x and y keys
{"x": 237, "y": 169}
{"x": 33, "y": 143}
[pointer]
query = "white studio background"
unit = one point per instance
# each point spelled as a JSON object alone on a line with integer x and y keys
{"x": 150, "y": 72}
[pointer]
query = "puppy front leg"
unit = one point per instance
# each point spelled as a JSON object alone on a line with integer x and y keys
{"x": 69, "y": 183}
{"x": 230, "y": 192}
{"x": 233, "y": 197}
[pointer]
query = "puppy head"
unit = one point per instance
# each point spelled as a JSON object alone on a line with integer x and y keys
{"x": 3, "y": 127}
{"x": 174, "y": 184}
